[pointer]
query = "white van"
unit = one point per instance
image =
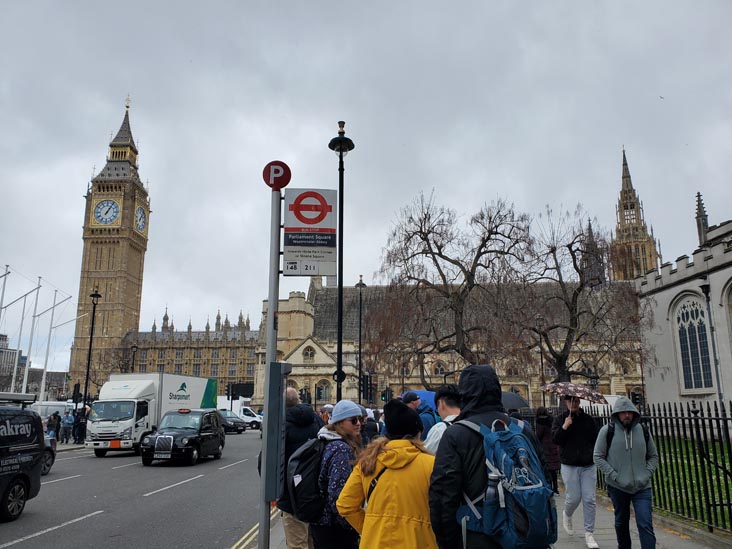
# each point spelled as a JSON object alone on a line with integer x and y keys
{"x": 48, "y": 407}
{"x": 253, "y": 419}
{"x": 611, "y": 400}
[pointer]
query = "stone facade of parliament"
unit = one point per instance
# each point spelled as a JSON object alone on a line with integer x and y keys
{"x": 115, "y": 231}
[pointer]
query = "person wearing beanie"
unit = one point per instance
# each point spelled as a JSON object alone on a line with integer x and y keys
{"x": 370, "y": 429}
{"x": 343, "y": 434}
{"x": 398, "y": 467}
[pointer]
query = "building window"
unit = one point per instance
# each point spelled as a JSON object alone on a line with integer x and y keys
{"x": 232, "y": 353}
{"x": 179, "y": 353}
{"x": 214, "y": 369}
{"x": 232, "y": 370}
{"x": 512, "y": 371}
{"x": 693, "y": 337}
{"x": 308, "y": 355}
{"x": 215, "y": 353}
{"x": 322, "y": 391}
{"x": 143, "y": 368}
{"x": 161, "y": 354}
{"x": 439, "y": 369}
{"x": 250, "y": 370}
{"x": 196, "y": 369}
{"x": 143, "y": 354}
{"x": 179, "y": 369}
{"x": 161, "y": 367}
{"x": 196, "y": 353}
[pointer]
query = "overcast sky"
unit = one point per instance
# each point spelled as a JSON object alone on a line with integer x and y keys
{"x": 531, "y": 101}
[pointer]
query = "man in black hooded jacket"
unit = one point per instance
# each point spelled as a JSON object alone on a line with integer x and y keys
{"x": 301, "y": 424}
{"x": 460, "y": 459}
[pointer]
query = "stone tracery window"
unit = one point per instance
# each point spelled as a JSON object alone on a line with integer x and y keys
{"x": 439, "y": 369}
{"x": 308, "y": 354}
{"x": 693, "y": 340}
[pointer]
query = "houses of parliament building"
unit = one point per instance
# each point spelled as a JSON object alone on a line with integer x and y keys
{"x": 116, "y": 218}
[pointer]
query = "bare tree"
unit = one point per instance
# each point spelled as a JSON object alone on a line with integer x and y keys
{"x": 563, "y": 305}
{"x": 443, "y": 264}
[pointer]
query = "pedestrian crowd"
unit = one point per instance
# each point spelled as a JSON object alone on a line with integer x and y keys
{"x": 67, "y": 427}
{"x": 455, "y": 476}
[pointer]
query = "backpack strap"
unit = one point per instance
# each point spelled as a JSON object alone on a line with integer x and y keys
{"x": 374, "y": 481}
{"x": 610, "y": 433}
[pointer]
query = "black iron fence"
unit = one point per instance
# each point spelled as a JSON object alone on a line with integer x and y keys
{"x": 694, "y": 477}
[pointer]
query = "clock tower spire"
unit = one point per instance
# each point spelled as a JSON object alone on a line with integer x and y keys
{"x": 114, "y": 245}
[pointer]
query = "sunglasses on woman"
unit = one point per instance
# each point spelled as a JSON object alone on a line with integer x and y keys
{"x": 356, "y": 420}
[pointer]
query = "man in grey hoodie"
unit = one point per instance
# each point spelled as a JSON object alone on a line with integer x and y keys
{"x": 628, "y": 464}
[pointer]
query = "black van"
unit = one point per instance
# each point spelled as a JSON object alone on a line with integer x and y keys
{"x": 21, "y": 453}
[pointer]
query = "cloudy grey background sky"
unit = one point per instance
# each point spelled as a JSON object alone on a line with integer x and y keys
{"x": 531, "y": 101}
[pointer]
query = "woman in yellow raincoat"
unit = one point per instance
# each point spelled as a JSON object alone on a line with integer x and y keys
{"x": 398, "y": 467}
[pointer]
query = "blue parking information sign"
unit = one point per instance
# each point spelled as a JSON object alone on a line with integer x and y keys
{"x": 310, "y": 232}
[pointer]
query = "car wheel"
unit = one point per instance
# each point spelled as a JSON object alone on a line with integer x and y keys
{"x": 147, "y": 461}
{"x": 100, "y": 453}
{"x": 47, "y": 462}
{"x": 193, "y": 456}
{"x": 254, "y": 424}
{"x": 13, "y": 500}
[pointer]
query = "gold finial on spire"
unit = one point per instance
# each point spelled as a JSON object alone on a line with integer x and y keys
{"x": 128, "y": 101}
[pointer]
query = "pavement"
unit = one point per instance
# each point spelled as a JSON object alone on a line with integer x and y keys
{"x": 670, "y": 533}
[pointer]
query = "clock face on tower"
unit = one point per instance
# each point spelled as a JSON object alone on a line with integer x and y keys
{"x": 106, "y": 212}
{"x": 140, "y": 219}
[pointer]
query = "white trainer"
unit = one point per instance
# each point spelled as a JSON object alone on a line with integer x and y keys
{"x": 567, "y": 523}
{"x": 590, "y": 541}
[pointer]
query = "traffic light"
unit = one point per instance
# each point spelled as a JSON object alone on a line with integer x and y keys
{"x": 383, "y": 395}
{"x": 76, "y": 397}
{"x": 228, "y": 391}
{"x": 636, "y": 398}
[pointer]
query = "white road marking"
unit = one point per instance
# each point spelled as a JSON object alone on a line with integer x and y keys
{"x": 59, "y": 479}
{"x": 171, "y": 486}
{"x": 232, "y": 464}
{"x": 128, "y": 465}
{"x": 47, "y": 530}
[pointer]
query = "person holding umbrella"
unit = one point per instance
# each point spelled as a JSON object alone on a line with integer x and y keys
{"x": 575, "y": 433}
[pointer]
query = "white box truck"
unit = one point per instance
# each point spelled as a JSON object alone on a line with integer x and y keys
{"x": 129, "y": 405}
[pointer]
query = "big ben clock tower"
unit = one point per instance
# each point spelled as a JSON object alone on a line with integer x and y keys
{"x": 115, "y": 240}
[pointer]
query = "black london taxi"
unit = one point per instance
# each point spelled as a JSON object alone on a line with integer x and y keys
{"x": 185, "y": 435}
{"x": 21, "y": 454}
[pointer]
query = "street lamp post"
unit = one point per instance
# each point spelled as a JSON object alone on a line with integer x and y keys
{"x": 706, "y": 289}
{"x": 341, "y": 145}
{"x": 95, "y": 299}
{"x": 540, "y": 323}
{"x": 360, "y": 285}
{"x": 134, "y": 352}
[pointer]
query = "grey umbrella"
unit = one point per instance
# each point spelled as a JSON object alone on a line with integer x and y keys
{"x": 511, "y": 400}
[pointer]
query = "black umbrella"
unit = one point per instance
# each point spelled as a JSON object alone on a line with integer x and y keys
{"x": 513, "y": 401}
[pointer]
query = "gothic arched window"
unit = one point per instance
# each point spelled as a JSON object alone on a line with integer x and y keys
{"x": 439, "y": 369}
{"x": 308, "y": 355}
{"x": 693, "y": 337}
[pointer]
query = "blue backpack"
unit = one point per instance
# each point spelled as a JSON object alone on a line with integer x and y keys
{"x": 517, "y": 508}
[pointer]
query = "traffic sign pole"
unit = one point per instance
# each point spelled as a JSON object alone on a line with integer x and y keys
{"x": 276, "y": 175}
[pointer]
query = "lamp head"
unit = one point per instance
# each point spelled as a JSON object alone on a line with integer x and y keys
{"x": 95, "y": 296}
{"x": 341, "y": 145}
